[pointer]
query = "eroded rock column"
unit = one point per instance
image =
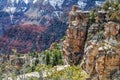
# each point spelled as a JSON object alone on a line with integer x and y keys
{"x": 75, "y": 37}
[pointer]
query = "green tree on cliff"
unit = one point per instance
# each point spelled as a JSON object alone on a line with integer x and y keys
{"x": 113, "y": 9}
{"x": 55, "y": 59}
{"x": 93, "y": 16}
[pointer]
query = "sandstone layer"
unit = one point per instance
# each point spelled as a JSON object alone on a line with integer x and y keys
{"x": 102, "y": 59}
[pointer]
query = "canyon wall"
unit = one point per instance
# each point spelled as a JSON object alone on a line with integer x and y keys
{"x": 99, "y": 55}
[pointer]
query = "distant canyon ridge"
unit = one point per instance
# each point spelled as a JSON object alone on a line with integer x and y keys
{"x": 32, "y": 25}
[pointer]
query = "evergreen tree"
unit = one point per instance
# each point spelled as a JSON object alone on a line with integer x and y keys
{"x": 55, "y": 58}
{"x": 47, "y": 58}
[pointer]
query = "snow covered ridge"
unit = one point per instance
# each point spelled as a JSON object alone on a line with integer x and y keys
{"x": 54, "y": 3}
{"x": 40, "y": 12}
{"x": 18, "y": 6}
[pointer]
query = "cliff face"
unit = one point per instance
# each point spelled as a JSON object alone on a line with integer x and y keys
{"x": 73, "y": 45}
{"x": 75, "y": 37}
{"x": 95, "y": 49}
{"x": 102, "y": 59}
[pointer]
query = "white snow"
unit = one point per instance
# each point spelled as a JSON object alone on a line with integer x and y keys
{"x": 56, "y": 2}
{"x": 98, "y": 3}
{"x": 59, "y": 3}
{"x": 26, "y": 1}
{"x": 81, "y": 4}
{"x": 45, "y": 2}
{"x": 34, "y": 1}
{"x": 10, "y": 9}
{"x": 12, "y": 1}
{"x": 17, "y": 1}
{"x": 57, "y": 13}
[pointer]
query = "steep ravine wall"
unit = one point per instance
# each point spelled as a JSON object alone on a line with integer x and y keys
{"x": 99, "y": 58}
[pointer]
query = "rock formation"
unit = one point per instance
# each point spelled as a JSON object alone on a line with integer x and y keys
{"x": 111, "y": 30}
{"x": 75, "y": 37}
{"x": 102, "y": 59}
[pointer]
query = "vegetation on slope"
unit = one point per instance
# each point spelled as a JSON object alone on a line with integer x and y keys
{"x": 113, "y": 9}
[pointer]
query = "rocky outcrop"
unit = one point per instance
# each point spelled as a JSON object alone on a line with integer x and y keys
{"x": 102, "y": 59}
{"x": 98, "y": 51}
{"x": 111, "y": 30}
{"x": 74, "y": 45}
{"x": 75, "y": 37}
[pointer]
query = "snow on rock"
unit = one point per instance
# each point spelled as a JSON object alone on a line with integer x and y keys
{"x": 81, "y": 4}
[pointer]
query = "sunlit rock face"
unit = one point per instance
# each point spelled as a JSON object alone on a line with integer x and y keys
{"x": 102, "y": 59}
{"x": 111, "y": 31}
{"x": 75, "y": 37}
{"x": 100, "y": 62}
{"x": 73, "y": 45}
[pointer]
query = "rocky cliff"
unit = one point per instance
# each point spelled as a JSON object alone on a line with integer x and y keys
{"x": 75, "y": 37}
{"x": 73, "y": 45}
{"x": 99, "y": 56}
{"x": 102, "y": 59}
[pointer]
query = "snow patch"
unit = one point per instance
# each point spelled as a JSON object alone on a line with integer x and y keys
{"x": 81, "y": 4}
{"x": 26, "y": 1}
{"x": 57, "y": 13}
{"x": 34, "y": 1}
{"x": 98, "y": 3}
{"x": 10, "y": 10}
{"x": 55, "y": 3}
{"x": 17, "y": 1}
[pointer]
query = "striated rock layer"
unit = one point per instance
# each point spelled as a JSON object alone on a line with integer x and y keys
{"x": 102, "y": 59}
{"x": 74, "y": 45}
{"x": 75, "y": 36}
{"x": 100, "y": 55}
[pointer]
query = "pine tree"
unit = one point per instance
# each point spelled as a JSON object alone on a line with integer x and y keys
{"x": 47, "y": 58}
{"x": 55, "y": 58}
